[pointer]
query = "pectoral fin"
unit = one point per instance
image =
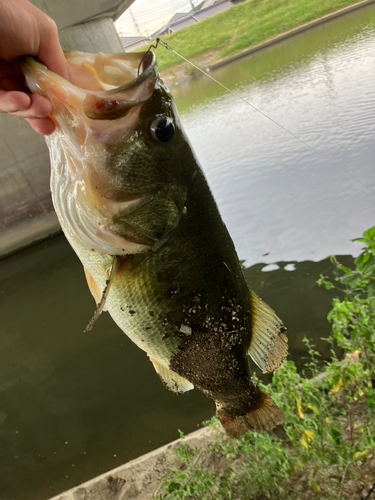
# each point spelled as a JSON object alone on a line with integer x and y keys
{"x": 269, "y": 344}
{"x": 171, "y": 380}
{"x": 100, "y": 305}
{"x": 93, "y": 287}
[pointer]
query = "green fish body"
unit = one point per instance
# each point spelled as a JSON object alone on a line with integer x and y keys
{"x": 134, "y": 204}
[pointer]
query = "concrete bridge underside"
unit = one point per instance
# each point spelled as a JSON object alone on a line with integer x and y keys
{"x": 26, "y": 212}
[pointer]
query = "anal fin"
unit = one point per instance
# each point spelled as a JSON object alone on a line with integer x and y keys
{"x": 269, "y": 344}
{"x": 171, "y": 379}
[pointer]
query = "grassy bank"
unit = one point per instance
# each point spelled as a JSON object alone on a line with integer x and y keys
{"x": 325, "y": 450}
{"x": 241, "y": 27}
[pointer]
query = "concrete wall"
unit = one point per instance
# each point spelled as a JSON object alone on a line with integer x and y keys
{"x": 26, "y": 212}
{"x": 68, "y": 13}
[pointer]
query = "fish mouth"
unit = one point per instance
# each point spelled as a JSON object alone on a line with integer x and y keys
{"x": 95, "y": 112}
{"x": 100, "y": 87}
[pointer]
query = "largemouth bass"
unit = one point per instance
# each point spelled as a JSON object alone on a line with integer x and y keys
{"x": 135, "y": 206}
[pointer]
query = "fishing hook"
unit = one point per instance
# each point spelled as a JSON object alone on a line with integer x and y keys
{"x": 158, "y": 41}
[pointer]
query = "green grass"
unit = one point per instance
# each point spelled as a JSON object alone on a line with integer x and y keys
{"x": 326, "y": 448}
{"x": 241, "y": 27}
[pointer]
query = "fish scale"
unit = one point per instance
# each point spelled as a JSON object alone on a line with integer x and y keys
{"x": 136, "y": 208}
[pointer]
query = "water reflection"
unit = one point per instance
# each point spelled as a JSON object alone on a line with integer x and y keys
{"x": 73, "y": 405}
{"x": 275, "y": 194}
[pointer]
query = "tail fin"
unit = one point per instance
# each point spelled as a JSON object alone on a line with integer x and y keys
{"x": 263, "y": 416}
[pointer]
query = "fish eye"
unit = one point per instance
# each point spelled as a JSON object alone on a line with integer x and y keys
{"x": 162, "y": 129}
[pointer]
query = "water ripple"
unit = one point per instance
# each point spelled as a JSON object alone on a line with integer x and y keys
{"x": 276, "y": 194}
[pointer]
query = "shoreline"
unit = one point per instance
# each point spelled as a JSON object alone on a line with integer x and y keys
{"x": 142, "y": 477}
{"x": 292, "y": 32}
{"x": 138, "y": 479}
{"x": 203, "y": 61}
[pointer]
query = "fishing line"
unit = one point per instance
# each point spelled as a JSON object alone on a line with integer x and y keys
{"x": 164, "y": 44}
{"x": 168, "y": 47}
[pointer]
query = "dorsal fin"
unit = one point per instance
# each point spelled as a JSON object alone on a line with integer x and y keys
{"x": 269, "y": 344}
{"x": 171, "y": 379}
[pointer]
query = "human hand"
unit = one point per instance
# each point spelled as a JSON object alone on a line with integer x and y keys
{"x": 26, "y": 30}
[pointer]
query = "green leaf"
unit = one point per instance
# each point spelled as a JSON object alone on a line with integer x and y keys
{"x": 366, "y": 257}
{"x": 335, "y": 434}
{"x": 350, "y": 279}
{"x": 173, "y": 486}
{"x": 182, "y": 435}
{"x": 358, "y": 261}
{"x": 370, "y": 233}
{"x": 314, "y": 485}
{"x": 368, "y": 266}
{"x": 362, "y": 240}
{"x": 345, "y": 269}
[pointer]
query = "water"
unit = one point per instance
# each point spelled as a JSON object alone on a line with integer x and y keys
{"x": 73, "y": 405}
{"x": 276, "y": 195}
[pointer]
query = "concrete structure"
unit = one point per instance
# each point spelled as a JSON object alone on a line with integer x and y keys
{"x": 131, "y": 43}
{"x": 182, "y": 19}
{"x": 70, "y": 13}
{"x": 208, "y": 3}
{"x": 26, "y": 212}
{"x": 141, "y": 478}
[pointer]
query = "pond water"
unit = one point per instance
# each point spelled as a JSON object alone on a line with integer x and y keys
{"x": 74, "y": 405}
{"x": 277, "y": 195}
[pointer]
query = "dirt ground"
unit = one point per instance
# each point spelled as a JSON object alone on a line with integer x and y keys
{"x": 142, "y": 478}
